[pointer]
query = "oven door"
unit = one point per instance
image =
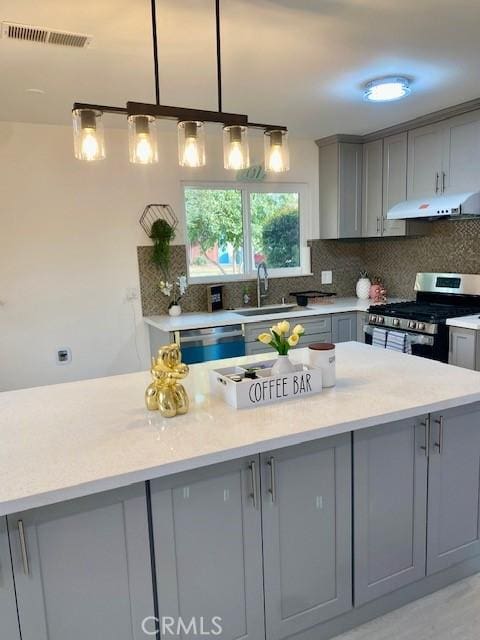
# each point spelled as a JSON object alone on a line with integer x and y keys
{"x": 422, "y": 345}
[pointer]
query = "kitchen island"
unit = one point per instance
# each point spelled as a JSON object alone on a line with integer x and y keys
{"x": 243, "y": 515}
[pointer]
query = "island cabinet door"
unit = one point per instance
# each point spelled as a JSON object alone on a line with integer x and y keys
{"x": 390, "y": 505}
{"x": 306, "y": 510}
{"x": 453, "y": 488}
{"x": 8, "y": 607}
{"x": 83, "y": 569}
{"x": 208, "y": 552}
{"x": 344, "y": 327}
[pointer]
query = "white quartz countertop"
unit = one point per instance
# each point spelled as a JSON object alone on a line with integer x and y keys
{"x": 224, "y": 318}
{"x": 466, "y": 322}
{"x": 69, "y": 440}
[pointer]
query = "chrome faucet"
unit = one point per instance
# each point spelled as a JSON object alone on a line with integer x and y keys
{"x": 260, "y": 295}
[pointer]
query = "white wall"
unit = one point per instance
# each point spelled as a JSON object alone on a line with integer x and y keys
{"x": 68, "y": 238}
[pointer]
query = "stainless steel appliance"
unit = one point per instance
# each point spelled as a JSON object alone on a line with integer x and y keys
{"x": 451, "y": 205}
{"x": 211, "y": 343}
{"x": 439, "y": 296}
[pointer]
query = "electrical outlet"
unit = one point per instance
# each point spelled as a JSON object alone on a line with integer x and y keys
{"x": 131, "y": 293}
{"x": 327, "y": 277}
{"x": 64, "y": 355}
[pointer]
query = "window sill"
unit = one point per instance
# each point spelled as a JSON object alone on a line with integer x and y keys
{"x": 245, "y": 277}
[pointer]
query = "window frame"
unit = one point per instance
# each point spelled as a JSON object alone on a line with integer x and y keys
{"x": 246, "y": 189}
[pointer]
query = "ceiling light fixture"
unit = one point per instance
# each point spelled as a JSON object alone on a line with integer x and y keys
{"x": 142, "y": 139}
{"x": 387, "y": 89}
{"x": 88, "y": 132}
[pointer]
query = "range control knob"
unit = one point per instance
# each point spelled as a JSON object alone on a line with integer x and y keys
{"x": 396, "y": 322}
{"x": 412, "y": 325}
{"x": 380, "y": 319}
{"x": 373, "y": 318}
{"x": 421, "y": 326}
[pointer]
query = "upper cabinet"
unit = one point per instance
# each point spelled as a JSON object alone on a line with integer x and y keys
{"x": 372, "y": 206}
{"x": 340, "y": 165}
{"x": 394, "y": 181}
{"x": 444, "y": 157}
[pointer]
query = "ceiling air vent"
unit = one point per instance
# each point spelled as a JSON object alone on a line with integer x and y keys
{"x": 44, "y": 36}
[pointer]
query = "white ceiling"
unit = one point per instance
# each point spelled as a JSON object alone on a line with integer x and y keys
{"x": 296, "y": 62}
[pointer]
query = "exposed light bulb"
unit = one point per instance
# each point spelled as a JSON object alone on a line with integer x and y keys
{"x": 276, "y": 151}
{"x": 235, "y": 156}
{"x": 90, "y": 147}
{"x": 275, "y": 161}
{"x": 191, "y": 156}
{"x": 235, "y": 147}
{"x": 143, "y": 150}
{"x": 88, "y": 135}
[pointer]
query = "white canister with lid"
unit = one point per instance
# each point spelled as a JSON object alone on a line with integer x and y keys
{"x": 321, "y": 355}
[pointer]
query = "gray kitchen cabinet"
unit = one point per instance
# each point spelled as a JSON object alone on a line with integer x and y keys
{"x": 461, "y": 160}
{"x": 453, "y": 493}
{"x": 340, "y": 166}
{"x": 208, "y": 548}
{"x": 362, "y": 321}
{"x": 390, "y": 507}
{"x": 425, "y": 164}
{"x": 306, "y": 513}
{"x": 372, "y": 189}
{"x": 394, "y": 181}
{"x": 82, "y": 568}
{"x": 344, "y": 327}
{"x": 8, "y": 607}
{"x": 463, "y": 348}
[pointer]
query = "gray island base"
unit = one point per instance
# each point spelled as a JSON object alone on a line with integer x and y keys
{"x": 293, "y": 521}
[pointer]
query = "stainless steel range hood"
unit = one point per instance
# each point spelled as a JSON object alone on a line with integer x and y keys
{"x": 452, "y": 205}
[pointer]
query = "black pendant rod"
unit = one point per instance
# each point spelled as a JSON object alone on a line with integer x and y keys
{"x": 219, "y": 54}
{"x": 155, "y": 50}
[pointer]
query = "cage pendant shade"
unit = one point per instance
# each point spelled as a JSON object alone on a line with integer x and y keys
{"x": 277, "y": 157}
{"x": 191, "y": 144}
{"x": 142, "y": 139}
{"x": 235, "y": 148}
{"x": 88, "y": 139}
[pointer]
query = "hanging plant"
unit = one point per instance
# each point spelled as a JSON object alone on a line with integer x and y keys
{"x": 162, "y": 233}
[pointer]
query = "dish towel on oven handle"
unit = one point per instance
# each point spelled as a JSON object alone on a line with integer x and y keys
{"x": 398, "y": 341}
{"x": 379, "y": 337}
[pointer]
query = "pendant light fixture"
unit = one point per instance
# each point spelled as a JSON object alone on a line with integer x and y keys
{"x": 143, "y": 149}
{"x": 191, "y": 144}
{"x": 235, "y": 148}
{"x": 277, "y": 157}
{"x": 88, "y": 137}
{"x": 142, "y": 139}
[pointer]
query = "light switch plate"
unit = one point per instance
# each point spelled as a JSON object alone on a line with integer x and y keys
{"x": 327, "y": 277}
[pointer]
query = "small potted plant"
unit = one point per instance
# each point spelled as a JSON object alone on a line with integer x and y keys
{"x": 162, "y": 233}
{"x": 280, "y": 340}
{"x": 174, "y": 291}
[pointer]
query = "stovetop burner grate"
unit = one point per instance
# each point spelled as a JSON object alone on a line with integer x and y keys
{"x": 426, "y": 312}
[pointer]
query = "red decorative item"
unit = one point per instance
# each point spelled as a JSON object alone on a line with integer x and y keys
{"x": 378, "y": 293}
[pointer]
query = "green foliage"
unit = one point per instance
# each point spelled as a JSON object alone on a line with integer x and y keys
{"x": 162, "y": 234}
{"x": 280, "y": 239}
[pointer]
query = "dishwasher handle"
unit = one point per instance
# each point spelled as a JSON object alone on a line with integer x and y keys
{"x": 214, "y": 338}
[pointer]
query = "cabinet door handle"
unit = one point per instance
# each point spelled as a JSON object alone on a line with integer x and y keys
{"x": 426, "y": 425}
{"x": 439, "y": 442}
{"x": 23, "y": 547}
{"x": 378, "y": 225}
{"x": 254, "y": 493}
{"x": 273, "y": 480}
{"x": 436, "y": 182}
{"x": 443, "y": 181}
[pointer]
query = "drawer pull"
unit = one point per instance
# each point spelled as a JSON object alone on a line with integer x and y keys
{"x": 23, "y": 548}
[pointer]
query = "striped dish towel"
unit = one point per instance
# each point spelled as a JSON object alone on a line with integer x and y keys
{"x": 379, "y": 337}
{"x": 398, "y": 341}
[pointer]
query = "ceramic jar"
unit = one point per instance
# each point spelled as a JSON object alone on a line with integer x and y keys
{"x": 321, "y": 355}
{"x": 363, "y": 288}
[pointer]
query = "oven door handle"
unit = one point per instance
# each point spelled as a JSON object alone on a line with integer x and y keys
{"x": 413, "y": 338}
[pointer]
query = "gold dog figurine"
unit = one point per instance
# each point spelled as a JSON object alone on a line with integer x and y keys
{"x": 165, "y": 393}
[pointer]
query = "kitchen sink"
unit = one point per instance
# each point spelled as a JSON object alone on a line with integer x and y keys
{"x": 266, "y": 311}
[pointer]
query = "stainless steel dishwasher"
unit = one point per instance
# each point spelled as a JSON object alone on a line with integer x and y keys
{"x": 211, "y": 343}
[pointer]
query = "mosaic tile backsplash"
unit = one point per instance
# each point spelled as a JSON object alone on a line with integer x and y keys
{"x": 447, "y": 246}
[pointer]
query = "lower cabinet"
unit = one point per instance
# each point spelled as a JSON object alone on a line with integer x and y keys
{"x": 390, "y": 498}
{"x": 82, "y": 568}
{"x": 306, "y": 511}
{"x": 8, "y": 608}
{"x": 208, "y": 549}
{"x": 453, "y": 499}
{"x": 344, "y": 327}
{"x": 464, "y": 349}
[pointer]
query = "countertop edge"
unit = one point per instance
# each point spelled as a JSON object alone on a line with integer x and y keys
{"x": 189, "y": 464}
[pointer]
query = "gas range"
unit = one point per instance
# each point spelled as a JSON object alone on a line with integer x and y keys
{"x": 439, "y": 296}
